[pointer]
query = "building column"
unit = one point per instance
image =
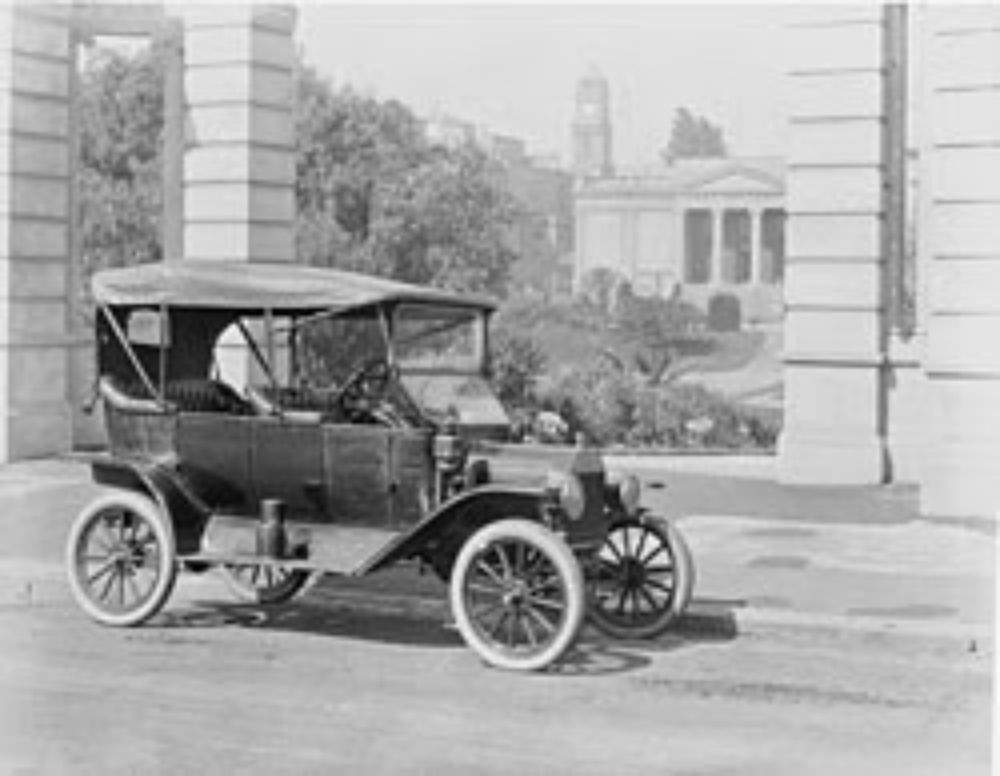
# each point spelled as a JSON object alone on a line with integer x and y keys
{"x": 715, "y": 264}
{"x": 35, "y": 61}
{"x": 835, "y": 330}
{"x": 756, "y": 230}
{"x": 961, "y": 477}
{"x": 239, "y": 168}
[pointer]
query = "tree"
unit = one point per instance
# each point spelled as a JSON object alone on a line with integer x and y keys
{"x": 693, "y": 137}
{"x": 654, "y": 331}
{"x": 372, "y": 193}
{"x": 516, "y": 363}
{"x": 375, "y": 195}
{"x": 121, "y": 124}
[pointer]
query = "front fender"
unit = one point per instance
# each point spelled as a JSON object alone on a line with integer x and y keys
{"x": 438, "y": 536}
{"x": 166, "y": 487}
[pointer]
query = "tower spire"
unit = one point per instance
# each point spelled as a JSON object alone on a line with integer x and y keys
{"x": 592, "y": 126}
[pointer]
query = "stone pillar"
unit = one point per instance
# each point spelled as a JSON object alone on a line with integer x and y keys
{"x": 35, "y": 57}
{"x": 239, "y": 167}
{"x": 962, "y": 362}
{"x": 715, "y": 274}
{"x": 834, "y": 288}
{"x": 756, "y": 230}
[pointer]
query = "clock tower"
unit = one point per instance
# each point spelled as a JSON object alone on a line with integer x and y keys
{"x": 592, "y": 128}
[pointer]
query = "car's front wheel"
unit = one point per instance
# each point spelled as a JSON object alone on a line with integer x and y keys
{"x": 121, "y": 559}
{"x": 517, "y": 595}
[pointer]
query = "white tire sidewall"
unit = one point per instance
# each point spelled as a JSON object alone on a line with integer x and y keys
{"x": 166, "y": 573}
{"x": 570, "y": 574}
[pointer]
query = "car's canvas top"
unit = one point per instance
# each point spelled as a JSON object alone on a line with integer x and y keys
{"x": 258, "y": 286}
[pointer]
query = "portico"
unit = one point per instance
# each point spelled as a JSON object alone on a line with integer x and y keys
{"x": 700, "y": 226}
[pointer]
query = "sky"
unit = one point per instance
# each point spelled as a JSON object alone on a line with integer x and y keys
{"x": 514, "y": 67}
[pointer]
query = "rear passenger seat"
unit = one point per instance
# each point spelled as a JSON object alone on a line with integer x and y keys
{"x": 206, "y": 396}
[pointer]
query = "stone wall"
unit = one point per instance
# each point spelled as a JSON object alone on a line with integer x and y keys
{"x": 35, "y": 56}
{"x": 962, "y": 474}
{"x": 835, "y": 331}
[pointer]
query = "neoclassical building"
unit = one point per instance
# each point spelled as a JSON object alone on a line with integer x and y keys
{"x": 704, "y": 226}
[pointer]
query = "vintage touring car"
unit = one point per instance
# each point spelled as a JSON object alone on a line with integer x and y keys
{"x": 277, "y": 422}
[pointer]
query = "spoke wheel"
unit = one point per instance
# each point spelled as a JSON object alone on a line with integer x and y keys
{"x": 517, "y": 595}
{"x": 121, "y": 559}
{"x": 264, "y": 584}
{"x": 641, "y": 579}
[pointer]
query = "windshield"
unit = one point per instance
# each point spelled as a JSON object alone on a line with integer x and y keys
{"x": 438, "y": 339}
{"x": 330, "y": 349}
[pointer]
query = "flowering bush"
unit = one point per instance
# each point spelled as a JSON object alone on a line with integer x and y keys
{"x": 610, "y": 407}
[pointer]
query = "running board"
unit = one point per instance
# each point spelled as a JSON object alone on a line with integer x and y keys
{"x": 335, "y": 549}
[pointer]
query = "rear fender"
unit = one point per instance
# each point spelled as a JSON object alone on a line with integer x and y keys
{"x": 167, "y": 488}
{"x": 437, "y": 538}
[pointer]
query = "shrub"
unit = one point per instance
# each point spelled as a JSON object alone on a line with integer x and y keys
{"x": 516, "y": 362}
{"x": 612, "y": 408}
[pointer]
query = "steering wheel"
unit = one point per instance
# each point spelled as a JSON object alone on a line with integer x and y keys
{"x": 364, "y": 390}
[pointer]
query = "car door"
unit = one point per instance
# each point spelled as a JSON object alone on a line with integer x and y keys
{"x": 287, "y": 464}
{"x": 357, "y": 474}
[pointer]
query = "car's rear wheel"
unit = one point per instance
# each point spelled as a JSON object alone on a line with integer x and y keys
{"x": 641, "y": 579}
{"x": 260, "y": 583}
{"x": 517, "y": 595}
{"x": 121, "y": 559}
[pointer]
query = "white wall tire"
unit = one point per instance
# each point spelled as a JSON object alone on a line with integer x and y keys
{"x": 121, "y": 559}
{"x": 517, "y": 595}
{"x": 641, "y": 579}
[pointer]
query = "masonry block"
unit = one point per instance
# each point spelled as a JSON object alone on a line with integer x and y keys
{"x": 966, "y": 173}
{"x": 37, "y": 238}
{"x": 837, "y": 142}
{"x": 964, "y": 344}
{"x": 31, "y": 278}
{"x": 835, "y": 190}
{"x": 828, "y": 284}
{"x": 966, "y": 117}
{"x": 964, "y": 285}
{"x": 256, "y": 164}
{"x": 235, "y": 201}
{"x": 31, "y": 74}
{"x": 831, "y": 334}
{"x": 836, "y": 95}
{"x": 46, "y": 198}
{"x": 26, "y": 31}
{"x": 961, "y": 61}
{"x": 260, "y": 45}
{"x": 35, "y": 430}
{"x": 965, "y": 229}
{"x": 236, "y": 82}
{"x": 907, "y": 434}
{"x": 239, "y": 241}
{"x": 848, "y": 46}
{"x": 39, "y": 156}
{"x": 832, "y": 235}
{"x": 240, "y": 123}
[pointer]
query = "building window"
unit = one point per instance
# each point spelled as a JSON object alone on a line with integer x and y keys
{"x": 772, "y": 246}
{"x": 736, "y": 246}
{"x": 697, "y": 246}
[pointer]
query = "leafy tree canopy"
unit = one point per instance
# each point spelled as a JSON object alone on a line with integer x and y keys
{"x": 694, "y": 137}
{"x": 373, "y": 194}
{"x": 121, "y": 123}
